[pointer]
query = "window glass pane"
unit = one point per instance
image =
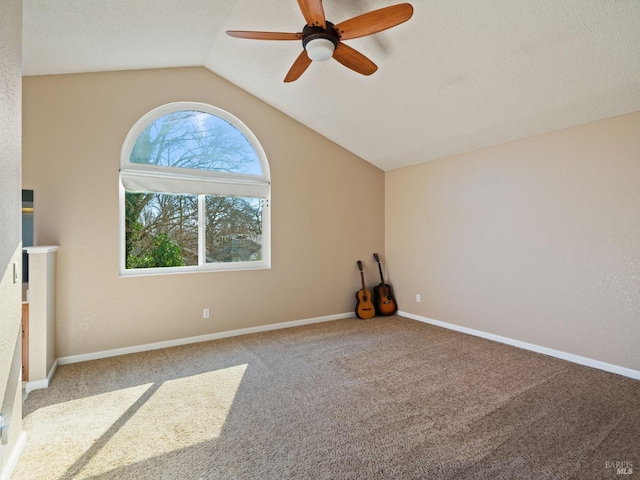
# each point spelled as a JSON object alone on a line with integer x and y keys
{"x": 233, "y": 229}
{"x": 161, "y": 230}
{"x": 196, "y": 140}
{"x": 177, "y": 160}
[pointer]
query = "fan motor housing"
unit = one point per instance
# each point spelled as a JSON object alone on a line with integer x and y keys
{"x": 312, "y": 33}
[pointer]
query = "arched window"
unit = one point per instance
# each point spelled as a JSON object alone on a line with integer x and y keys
{"x": 194, "y": 193}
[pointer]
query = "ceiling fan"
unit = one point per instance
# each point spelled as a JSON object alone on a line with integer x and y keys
{"x": 322, "y": 40}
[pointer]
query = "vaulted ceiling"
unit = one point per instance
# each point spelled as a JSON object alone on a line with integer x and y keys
{"x": 460, "y": 75}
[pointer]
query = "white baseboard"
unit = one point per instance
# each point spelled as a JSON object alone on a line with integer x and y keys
{"x": 12, "y": 461}
{"x": 44, "y": 383}
{"x": 608, "y": 367}
{"x": 201, "y": 338}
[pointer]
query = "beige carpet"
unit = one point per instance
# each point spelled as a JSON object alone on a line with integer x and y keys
{"x": 387, "y": 398}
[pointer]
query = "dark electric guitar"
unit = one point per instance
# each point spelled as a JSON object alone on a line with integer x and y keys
{"x": 364, "y": 307}
{"x": 383, "y": 299}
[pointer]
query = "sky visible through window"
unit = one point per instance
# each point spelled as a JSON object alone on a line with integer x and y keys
{"x": 196, "y": 140}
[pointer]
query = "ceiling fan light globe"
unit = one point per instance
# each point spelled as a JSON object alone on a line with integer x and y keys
{"x": 320, "y": 49}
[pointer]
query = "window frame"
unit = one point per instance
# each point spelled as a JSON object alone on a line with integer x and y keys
{"x": 228, "y": 183}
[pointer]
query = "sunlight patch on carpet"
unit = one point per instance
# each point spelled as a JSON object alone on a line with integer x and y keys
{"x": 73, "y": 427}
{"x": 179, "y": 414}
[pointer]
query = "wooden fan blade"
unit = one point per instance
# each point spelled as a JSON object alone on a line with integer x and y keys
{"x": 354, "y": 60}
{"x": 264, "y": 35}
{"x": 375, "y": 21}
{"x": 298, "y": 67}
{"x": 313, "y": 13}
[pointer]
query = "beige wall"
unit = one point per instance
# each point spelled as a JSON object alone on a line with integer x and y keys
{"x": 327, "y": 212}
{"x": 10, "y": 231}
{"x": 536, "y": 240}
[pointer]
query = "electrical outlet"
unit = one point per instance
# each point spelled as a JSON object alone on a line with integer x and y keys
{"x": 205, "y": 313}
{"x": 418, "y": 297}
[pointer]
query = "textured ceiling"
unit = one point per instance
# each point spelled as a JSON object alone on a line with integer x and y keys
{"x": 459, "y": 76}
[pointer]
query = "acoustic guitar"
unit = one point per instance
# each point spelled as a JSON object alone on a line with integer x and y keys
{"x": 383, "y": 299}
{"x": 364, "y": 306}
